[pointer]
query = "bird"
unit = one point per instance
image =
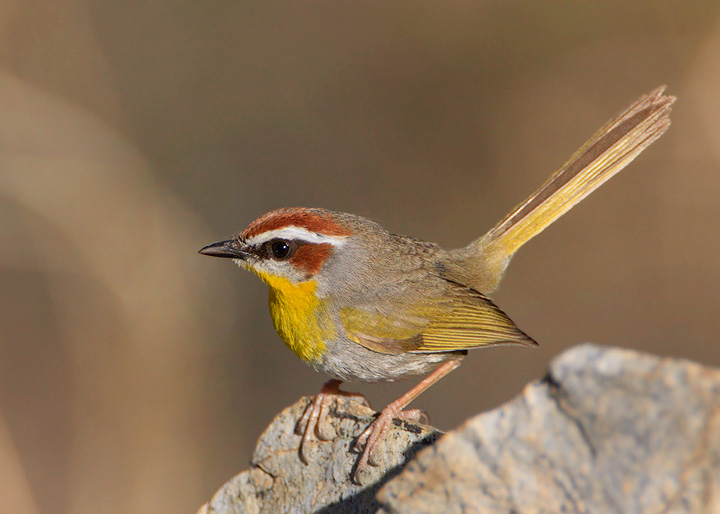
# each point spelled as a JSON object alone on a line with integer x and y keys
{"x": 362, "y": 304}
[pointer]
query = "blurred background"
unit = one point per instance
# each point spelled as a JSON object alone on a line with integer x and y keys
{"x": 136, "y": 375}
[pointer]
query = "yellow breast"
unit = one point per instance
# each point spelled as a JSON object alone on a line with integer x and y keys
{"x": 299, "y": 316}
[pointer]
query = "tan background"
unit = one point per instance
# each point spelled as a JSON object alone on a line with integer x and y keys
{"x": 136, "y": 375}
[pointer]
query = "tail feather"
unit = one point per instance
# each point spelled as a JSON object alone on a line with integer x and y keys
{"x": 612, "y": 148}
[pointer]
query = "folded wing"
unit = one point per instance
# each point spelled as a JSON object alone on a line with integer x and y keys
{"x": 460, "y": 319}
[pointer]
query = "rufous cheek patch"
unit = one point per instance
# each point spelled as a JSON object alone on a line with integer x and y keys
{"x": 310, "y": 257}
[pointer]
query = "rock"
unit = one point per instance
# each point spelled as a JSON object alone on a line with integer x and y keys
{"x": 279, "y": 482}
{"x": 607, "y": 430}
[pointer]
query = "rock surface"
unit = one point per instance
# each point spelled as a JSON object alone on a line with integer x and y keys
{"x": 607, "y": 430}
{"x": 279, "y": 482}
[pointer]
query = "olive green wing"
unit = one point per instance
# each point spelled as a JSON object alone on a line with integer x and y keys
{"x": 474, "y": 321}
{"x": 461, "y": 319}
{"x": 390, "y": 331}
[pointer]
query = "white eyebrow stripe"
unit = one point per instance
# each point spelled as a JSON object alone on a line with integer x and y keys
{"x": 293, "y": 232}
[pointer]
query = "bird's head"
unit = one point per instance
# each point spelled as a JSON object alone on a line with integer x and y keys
{"x": 292, "y": 244}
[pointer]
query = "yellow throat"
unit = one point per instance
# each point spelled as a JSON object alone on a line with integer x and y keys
{"x": 297, "y": 313}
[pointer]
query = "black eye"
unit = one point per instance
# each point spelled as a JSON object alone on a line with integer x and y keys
{"x": 280, "y": 249}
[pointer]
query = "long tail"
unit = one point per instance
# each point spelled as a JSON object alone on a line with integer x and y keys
{"x": 606, "y": 153}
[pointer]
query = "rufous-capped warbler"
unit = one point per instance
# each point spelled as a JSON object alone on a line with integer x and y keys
{"x": 363, "y": 304}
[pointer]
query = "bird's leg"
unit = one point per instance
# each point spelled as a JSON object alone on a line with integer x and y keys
{"x": 313, "y": 422}
{"x": 374, "y": 434}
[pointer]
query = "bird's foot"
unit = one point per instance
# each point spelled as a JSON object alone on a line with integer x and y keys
{"x": 313, "y": 423}
{"x": 373, "y": 435}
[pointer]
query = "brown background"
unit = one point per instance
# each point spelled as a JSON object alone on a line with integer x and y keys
{"x": 135, "y": 375}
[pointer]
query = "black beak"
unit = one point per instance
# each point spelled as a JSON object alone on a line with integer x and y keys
{"x": 229, "y": 249}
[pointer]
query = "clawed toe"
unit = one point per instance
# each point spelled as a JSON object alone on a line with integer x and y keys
{"x": 369, "y": 440}
{"x": 371, "y": 437}
{"x": 415, "y": 415}
{"x": 324, "y": 430}
{"x": 314, "y": 424}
